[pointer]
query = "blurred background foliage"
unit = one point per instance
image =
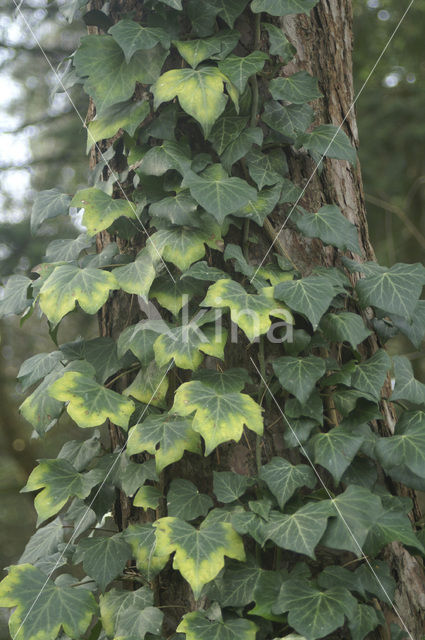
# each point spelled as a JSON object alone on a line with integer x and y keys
{"x": 42, "y": 145}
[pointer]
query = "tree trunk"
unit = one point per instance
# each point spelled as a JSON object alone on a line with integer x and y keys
{"x": 323, "y": 41}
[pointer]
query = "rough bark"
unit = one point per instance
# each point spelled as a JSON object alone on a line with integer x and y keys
{"x": 323, "y": 41}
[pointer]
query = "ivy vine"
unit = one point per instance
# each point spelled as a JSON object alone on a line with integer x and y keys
{"x": 197, "y": 132}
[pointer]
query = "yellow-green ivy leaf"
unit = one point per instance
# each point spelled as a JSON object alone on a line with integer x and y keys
{"x": 239, "y": 70}
{"x": 142, "y": 540}
{"x": 89, "y": 403}
{"x": 125, "y": 116}
{"x": 199, "y": 553}
{"x": 69, "y": 284}
{"x": 197, "y": 626}
{"x": 185, "y": 343}
{"x": 150, "y": 386}
{"x": 56, "y": 607}
{"x": 137, "y": 276}
{"x": 215, "y": 47}
{"x": 100, "y": 210}
{"x": 174, "y": 295}
{"x": 147, "y": 497}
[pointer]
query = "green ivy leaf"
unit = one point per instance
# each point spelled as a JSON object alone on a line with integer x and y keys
{"x": 283, "y": 7}
{"x": 330, "y": 226}
{"x": 298, "y": 88}
{"x": 197, "y": 626}
{"x": 200, "y": 93}
{"x": 116, "y": 605}
{"x": 219, "y": 414}
{"x": 14, "y": 298}
{"x": 229, "y": 10}
{"x": 299, "y": 375}
{"x": 137, "y": 276}
{"x": 150, "y": 386}
{"x": 363, "y": 622}
{"x": 48, "y": 204}
{"x": 357, "y": 510}
{"x": 101, "y": 353}
{"x": 392, "y": 525}
{"x": 103, "y": 558}
{"x": 229, "y": 486}
{"x": 69, "y": 284}
{"x": 289, "y": 120}
{"x": 266, "y": 169}
{"x": 174, "y": 295}
{"x": 139, "y": 339}
{"x": 166, "y": 436}
{"x": 328, "y": 140}
{"x": 395, "y": 290}
{"x": 239, "y": 70}
{"x": 370, "y": 376}
{"x": 147, "y": 497}
{"x": 142, "y": 540}
{"x": 406, "y": 448}
{"x": 125, "y": 116}
{"x": 249, "y": 311}
{"x": 202, "y": 271}
{"x": 185, "y": 344}
{"x": 300, "y": 531}
{"x": 406, "y": 386}
{"x": 37, "y": 367}
{"x": 310, "y": 296}
{"x": 81, "y": 453}
{"x": 166, "y": 156}
{"x": 67, "y": 250}
{"x": 180, "y": 209}
{"x": 279, "y": 43}
{"x": 89, "y": 403}
{"x": 344, "y": 327}
{"x": 240, "y": 147}
{"x": 312, "y": 612}
{"x": 100, "y": 210}
{"x": 226, "y": 130}
{"x": 335, "y": 450}
{"x": 108, "y": 78}
{"x": 284, "y": 478}
{"x": 132, "y": 37}
{"x": 185, "y": 502}
{"x": 218, "y": 193}
{"x": 57, "y": 607}
{"x": 39, "y": 408}
{"x": 199, "y": 553}
{"x": 257, "y": 210}
{"x": 215, "y": 47}
{"x": 413, "y": 329}
{"x": 59, "y": 480}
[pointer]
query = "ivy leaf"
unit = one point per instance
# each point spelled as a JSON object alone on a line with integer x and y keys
{"x": 289, "y": 120}
{"x": 200, "y": 93}
{"x": 297, "y": 88}
{"x": 186, "y": 343}
{"x": 101, "y": 353}
{"x": 406, "y": 449}
{"x": 166, "y": 436}
{"x": 392, "y": 525}
{"x": 310, "y": 296}
{"x": 67, "y": 250}
{"x": 229, "y": 486}
{"x": 142, "y": 540}
{"x": 69, "y": 284}
{"x": 136, "y": 623}
{"x": 217, "y": 46}
{"x": 185, "y": 502}
{"x": 179, "y": 210}
{"x": 395, "y": 290}
{"x": 132, "y": 37}
{"x": 14, "y": 298}
{"x": 300, "y": 531}
{"x": 89, "y": 403}
{"x": 139, "y": 339}
{"x": 103, "y": 558}
{"x": 335, "y": 450}
{"x": 283, "y": 7}
{"x": 239, "y": 70}
{"x": 370, "y": 376}
{"x": 48, "y": 204}
{"x": 147, "y": 497}
{"x": 150, "y": 386}
{"x": 37, "y": 367}
{"x": 279, "y": 44}
{"x": 357, "y": 510}
{"x": 196, "y": 626}
{"x": 137, "y": 276}
{"x": 299, "y": 375}
{"x": 128, "y": 615}
{"x": 39, "y": 408}
{"x": 312, "y": 612}
{"x": 218, "y": 193}
{"x": 344, "y": 327}
{"x": 166, "y": 156}
{"x": 174, "y": 295}
{"x": 240, "y": 147}
{"x": 81, "y": 453}
{"x": 249, "y": 311}
{"x": 202, "y": 271}
{"x": 199, "y": 553}
{"x": 330, "y": 226}
{"x": 406, "y": 386}
{"x": 219, "y": 414}
{"x": 57, "y": 607}
{"x": 100, "y": 210}
{"x": 59, "y": 480}
{"x": 226, "y": 130}
{"x": 257, "y": 210}
{"x": 414, "y": 330}
{"x": 284, "y": 478}
{"x": 229, "y": 10}
{"x": 266, "y": 169}
{"x": 126, "y": 116}
{"x": 108, "y": 78}
{"x": 363, "y": 622}
{"x": 328, "y": 140}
